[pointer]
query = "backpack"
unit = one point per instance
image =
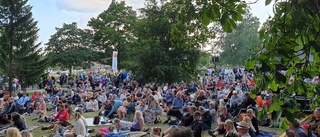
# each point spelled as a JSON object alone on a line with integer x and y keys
{"x": 96, "y": 120}
{"x": 265, "y": 122}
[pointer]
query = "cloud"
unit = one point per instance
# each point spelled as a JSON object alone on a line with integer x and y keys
{"x": 83, "y": 5}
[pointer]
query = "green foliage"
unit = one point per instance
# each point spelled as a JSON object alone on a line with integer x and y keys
{"x": 70, "y": 47}
{"x": 165, "y": 50}
{"x": 227, "y": 12}
{"x": 113, "y": 31}
{"x": 291, "y": 40}
{"x": 20, "y": 54}
{"x": 243, "y": 42}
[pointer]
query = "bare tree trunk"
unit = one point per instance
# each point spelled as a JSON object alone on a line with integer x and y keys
{"x": 70, "y": 70}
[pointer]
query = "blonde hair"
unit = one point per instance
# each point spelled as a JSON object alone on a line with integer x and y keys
{"x": 77, "y": 115}
{"x": 221, "y": 103}
{"x": 135, "y": 116}
{"x": 231, "y": 125}
{"x": 251, "y": 111}
{"x": 248, "y": 121}
{"x": 26, "y": 133}
{"x": 13, "y": 132}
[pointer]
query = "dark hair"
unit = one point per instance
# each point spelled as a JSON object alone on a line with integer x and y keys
{"x": 16, "y": 117}
{"x": 181, "y": 132}
{"x": 296, "y": 123}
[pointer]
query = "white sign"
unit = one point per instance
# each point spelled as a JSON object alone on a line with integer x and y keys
{"x": 115, "y": 61}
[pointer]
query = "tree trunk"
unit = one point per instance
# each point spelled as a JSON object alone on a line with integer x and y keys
{"x": 70, "y": 70}
{"x": 11, "y": 37}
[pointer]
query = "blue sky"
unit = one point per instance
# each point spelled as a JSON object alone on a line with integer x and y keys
{"x": 53, "y": 13}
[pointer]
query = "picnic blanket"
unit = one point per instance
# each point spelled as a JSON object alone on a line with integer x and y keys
{"x": 90, "y": 122}
{"x": 266, "y": 134}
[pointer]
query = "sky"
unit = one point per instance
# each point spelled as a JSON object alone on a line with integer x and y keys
{"x": 53, "y": 13}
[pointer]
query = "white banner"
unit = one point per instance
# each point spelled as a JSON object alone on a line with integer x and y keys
{"x": 115, "y": 61}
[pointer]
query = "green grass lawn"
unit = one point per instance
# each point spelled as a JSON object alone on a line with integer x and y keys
{"x": 39, "y": 133}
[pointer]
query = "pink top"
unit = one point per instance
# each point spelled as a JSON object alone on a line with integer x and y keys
{"x": 125, "y": 103}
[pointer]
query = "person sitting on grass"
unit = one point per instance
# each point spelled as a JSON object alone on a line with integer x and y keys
{"x": 23, "y": 101}
{"x": 197, "y": 124}
{"x": 106, "y": 108}
{"x": 206, "y": 118}
{"x": 243, "y": 129}
{"x": 19, "y": 121}
{"x": 6, "y": 114}
{"x": 62, "y": 118}
{"x": 230, "y": 129}
{"x": 254, "y": 120}
{"x": 187, "y": 119}
{"x": 153, "y": 110}
{"x": 174, "y": 110}
{"x": 115, "y": 105}
{"x": 137, "y": 123}
{"x": 76, "y": 99}
{"x": 122, "y": 111}
{"x": 92, "y": 105}
{"x": 78, "y": 129}
{"x": 122, "y": 125}
{"x": 40, "y": 107}
{"x": 224, "y": 115}
{"x": 13, "y": 132}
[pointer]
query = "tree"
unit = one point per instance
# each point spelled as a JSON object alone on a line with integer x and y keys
{"x": 291, "y": 43}
{"x": 70, "y": 47}
{"x": 113, "y": 31}
{"x": 168, "y": 39}
{"x": 243, "y": 42}
{"x": 20, "y": 53}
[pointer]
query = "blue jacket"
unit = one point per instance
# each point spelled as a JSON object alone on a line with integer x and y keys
{"x": 177, "y": 103}
{"x": 23, "y": 100}
{"x": 10, "y": 109}
{"x": 169, "y": 97}
{"x": 117, "y": 104}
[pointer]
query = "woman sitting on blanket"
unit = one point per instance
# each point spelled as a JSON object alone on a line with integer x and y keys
{"x": 40, "y": 107}
{"x": 254, "y": 120}
{"x": 137, "y": 123}
{"x": 153, "y": 110}
{"x": 78, "y": 129}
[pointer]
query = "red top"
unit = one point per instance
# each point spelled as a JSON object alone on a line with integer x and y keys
{"x": 62, "y": 115}
{"x": 33, "y": 97}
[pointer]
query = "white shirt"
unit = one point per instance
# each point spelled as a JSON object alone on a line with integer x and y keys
{"x": 92, "y": 105}
{"x": 79, "y": 127}
{"x": 84, "y": 121}
{"x": 101, "y": 98}
{"x": 157, "y": 96}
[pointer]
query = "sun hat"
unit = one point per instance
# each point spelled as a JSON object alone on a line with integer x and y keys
{"x": 243, "y": 125}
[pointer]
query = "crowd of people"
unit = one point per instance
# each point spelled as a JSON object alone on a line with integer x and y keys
{"x": 220, "y": 97}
